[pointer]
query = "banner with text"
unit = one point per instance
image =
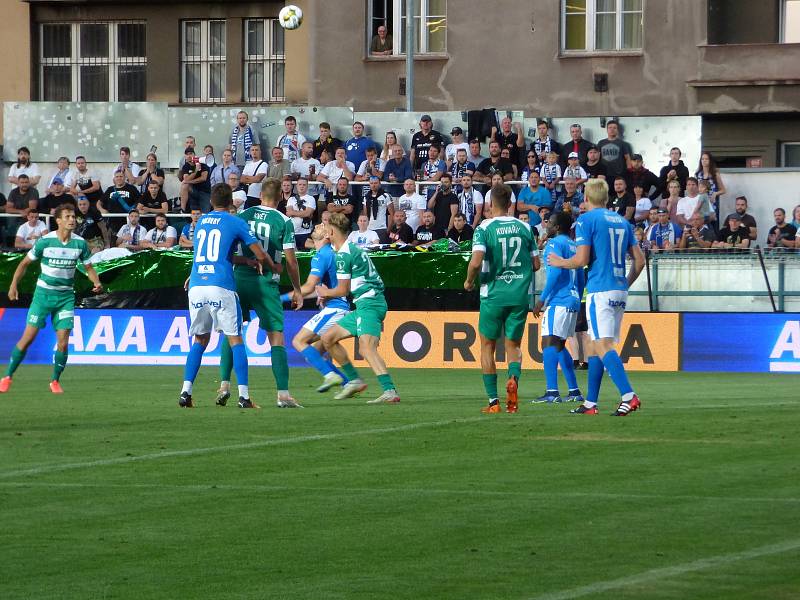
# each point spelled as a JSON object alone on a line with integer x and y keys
{"x": 748, "y": 342}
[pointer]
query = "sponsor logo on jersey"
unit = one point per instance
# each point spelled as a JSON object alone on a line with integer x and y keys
{"x": 205, "y": 269}
{"x": 508, "y": 277}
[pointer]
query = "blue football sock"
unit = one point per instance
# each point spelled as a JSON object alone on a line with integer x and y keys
{"x": 240, "y": 363}
{"x": 550, "y": 359}
{"x": 568, "y": 368}
{"x": 336, "y": 370}
{"x": 595, "y": 379}
{"x": 314, "y": 358}
{"x": 193, "y": 362}
{"x": 617, "y": 372}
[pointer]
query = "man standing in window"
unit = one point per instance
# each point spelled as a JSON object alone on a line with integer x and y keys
{"x": 615, "y": 152}
{"x": 381, "y": 44}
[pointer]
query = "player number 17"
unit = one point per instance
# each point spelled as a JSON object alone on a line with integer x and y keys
{"x": 617, "y": 240}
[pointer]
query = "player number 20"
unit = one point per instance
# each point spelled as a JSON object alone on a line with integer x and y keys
{"x": 211, "y": 249}
{"x": 513, "y": 245}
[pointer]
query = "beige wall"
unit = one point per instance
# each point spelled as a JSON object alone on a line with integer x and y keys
{"x": 15, "y": 47}
{"x": 298, "y": 57}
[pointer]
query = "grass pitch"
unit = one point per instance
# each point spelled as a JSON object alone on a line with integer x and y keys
{"x": 112, "y": 491}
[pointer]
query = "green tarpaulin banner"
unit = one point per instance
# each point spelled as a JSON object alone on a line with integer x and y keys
{"x": 155, "y": 269}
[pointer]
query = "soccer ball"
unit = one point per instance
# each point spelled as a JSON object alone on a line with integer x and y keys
{"x": 290, "y": 17}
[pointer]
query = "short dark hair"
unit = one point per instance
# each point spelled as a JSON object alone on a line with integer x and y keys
{"x": 783, "y": 212}
{"x": 563, "y": 221}
{"x": 325, "y": 125}
{"x": 501, "y": 196}
{"x": 676, "y": 148}
{"x": 358, "y": 123}
{"x": 80, "y": 156}
{"x": 22, "y": 176}
{"x": 612, "y": 122}
{"x": 133, "y": 210}
{"x": 125, "y": 149}
{"x": 688, "y": 179}
{"x": 62, "y": 208}
{"x": 221, "y": 195}
{"x": 447, "y": 176}
{"x": 460, "y": 215}
{"x": 160, "y": 214}
{"x": 290, "y": 118}
{"x": 742, "y": 198}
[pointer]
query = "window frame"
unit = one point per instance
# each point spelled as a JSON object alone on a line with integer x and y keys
{"x": 783, "y": 154}
{"x": 75, "y": 61}
{"x": 591, "y": 30}
{"x": 205, "y": 59}
{"x": 398, "y": 39}
{"x": 782, "y": 25}
{"x": 269, "y": 60}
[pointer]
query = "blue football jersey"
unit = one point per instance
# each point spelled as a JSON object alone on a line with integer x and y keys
{"x": 216, "y": 236}
{"x": 610, "y": 236}
{"x": 323, "y": 265}
{"x": 564, "y": 286}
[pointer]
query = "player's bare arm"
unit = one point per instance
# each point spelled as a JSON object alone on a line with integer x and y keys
{"x": 94, "y": 278}
{"x": 638, "y": 263}
{"x": 473, "y": 268}
{"x": 580, "y": 260}
{"x": 294, "y": 276}
{"x": 340, "y": 291}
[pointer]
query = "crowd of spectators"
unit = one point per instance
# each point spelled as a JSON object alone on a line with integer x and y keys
{"x": 434, "y": 189}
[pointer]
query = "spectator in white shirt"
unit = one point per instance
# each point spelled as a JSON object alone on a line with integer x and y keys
{"x": 470, "y": 202}
{"x": 363, "y": 237}
{"x": 24, "y": 166}
{"x": 497, "y": 179}
{"x": 306, "y": 165}
{"x": 335, "y": 169}
{"x": 83, "y": 181}
{"x": 130, "y": 169}
{"x": 253, "y": 173}
{"x": 643, "y": 204}
{"x": 453, "y": 147}
{"x": 301, "y": 208}
{"x": 30, "y": 231}
{"x": 132, "y": 235}
{"x": 292, "y": 140}
{"x": 162, "y": 235}
{"x": 370, "y": 166}
{"x": 62, "y": 171}
{"x": 412, "y": 203}
{"x": 687, "y": 205}
{"x": 378, "y": 206}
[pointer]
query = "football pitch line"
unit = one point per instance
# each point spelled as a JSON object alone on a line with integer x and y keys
{"x": 256, "y": 488}
{"x": 300, "y": 439}
{"x": 647, "y": 577}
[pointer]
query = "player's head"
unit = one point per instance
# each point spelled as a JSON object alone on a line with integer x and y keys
{"x": 221, "y": 196}
{"x": 270, "y": 191}
{"x": 320, "y": 236}
{"x": 559, "y": 223}
{"x": 595, "y": 191}
{"x": 65, "y": 217}
{"x": 501, "y": 199}
{"x": 339, "y": 227}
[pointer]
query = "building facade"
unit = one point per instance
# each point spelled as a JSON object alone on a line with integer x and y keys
{"x": 735, "y": 62}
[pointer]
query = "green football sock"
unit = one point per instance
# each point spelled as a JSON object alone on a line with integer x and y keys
{"x": 386, "y": 382}
{"x": 280, "y": 367}
{"x": 349, "y": 370}
{"x": 59, "y": 363}
{"x": 17, "y": 356}
{"x": 515, "y": 370}
{"x": 490, "y": 385}
{"x": 225, "y": 360}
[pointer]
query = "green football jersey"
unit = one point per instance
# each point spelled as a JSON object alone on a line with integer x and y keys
{"x": 273, "y": 230}
{"x": 58, "y": 261}
{"x": 353, "y": 263}
{"x": 506, "y": 273}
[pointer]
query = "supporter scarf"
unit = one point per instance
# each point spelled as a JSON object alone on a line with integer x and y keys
{"x": 467, "y": 204}
{"x": 541, "y": 147}
{"x": 247, "y": 143}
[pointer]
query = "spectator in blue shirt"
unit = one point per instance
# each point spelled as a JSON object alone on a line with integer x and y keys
{"x": 222, "y": 171}
{"x": 664, "y": 235}
{"x": 533, "y": 197}
{"x": 397, "y": 170}
{"x": 356, "y": 146}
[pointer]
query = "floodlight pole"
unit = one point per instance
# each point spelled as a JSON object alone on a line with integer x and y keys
{"x": 409, "y": 55}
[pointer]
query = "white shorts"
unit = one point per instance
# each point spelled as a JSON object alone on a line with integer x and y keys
{"x": 324, "y": 320}
{"x": 559, "y": 321}
{"x": 604, "y": 311}
{"x": 212, "y": 308}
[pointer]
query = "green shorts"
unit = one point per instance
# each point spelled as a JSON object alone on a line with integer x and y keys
{"x": 262, "y": 296}
{"x": 60, "y": 307}
{"x": 494, "y": 320}
{"x": 367, "y": 317}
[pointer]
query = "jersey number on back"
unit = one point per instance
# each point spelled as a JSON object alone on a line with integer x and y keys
{"x": 212, "y": 249}
{"x": 262, "y": 231}
{"x": 513, "y": 244}
{"x": 617, "y": 251}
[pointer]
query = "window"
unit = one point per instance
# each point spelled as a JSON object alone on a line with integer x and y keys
{"x": 601, "y": 25}
{"x": 790, "y": 22}
{"x": 430, "y": 24}
{"x": 92, "y": 62}
{"x": 790, "y": 154}
{"x": 203, "y": 61}
{"x": 264, "y": 60}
